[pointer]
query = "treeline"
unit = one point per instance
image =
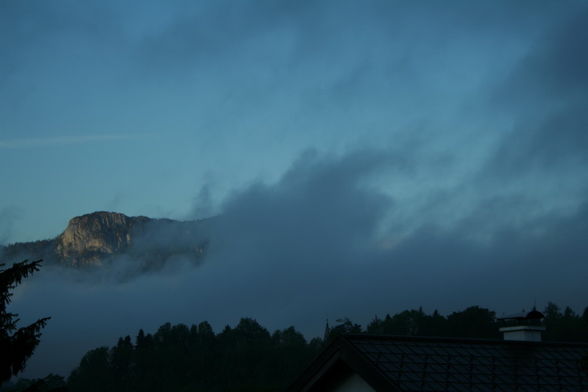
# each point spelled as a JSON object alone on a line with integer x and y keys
{"x": 248, "y": 357}
{"x": 180, "y": 358}
{"x": 476, "y": 322}
{"x": 473, "y": 322}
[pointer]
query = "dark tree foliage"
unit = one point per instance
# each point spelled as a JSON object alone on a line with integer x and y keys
{"x": 565, "y": 326}
{"x": 51, "y": 383}
{"x": 344, "y": 326}
{"x": 248, "y": 357}
{"x": 16, "y": 344}
{"x": 476, "y": 322}
{"x": 473, "y": 322}
{"x": 181, "y": 358}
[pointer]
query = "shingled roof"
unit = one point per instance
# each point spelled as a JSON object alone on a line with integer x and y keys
{"x": 397, "y": 363}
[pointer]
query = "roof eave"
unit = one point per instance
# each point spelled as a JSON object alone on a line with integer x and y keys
{"x": 341, "y": 350}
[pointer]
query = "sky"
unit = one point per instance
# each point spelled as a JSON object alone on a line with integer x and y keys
{"x": 362, "y": 157}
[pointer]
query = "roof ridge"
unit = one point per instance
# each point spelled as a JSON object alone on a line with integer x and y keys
{"x": 460, "y": 340}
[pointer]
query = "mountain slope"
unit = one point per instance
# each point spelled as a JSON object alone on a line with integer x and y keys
{"x": 101, "y": 238}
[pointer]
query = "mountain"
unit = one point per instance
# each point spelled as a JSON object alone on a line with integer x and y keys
{"x": 101, "y": 238}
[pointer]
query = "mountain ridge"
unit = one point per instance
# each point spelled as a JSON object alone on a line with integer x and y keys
{"x": 100, "y": 238}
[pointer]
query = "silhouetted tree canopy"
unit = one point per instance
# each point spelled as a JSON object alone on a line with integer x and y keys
{"x": 181, "y": 358}
{"x": 16, "y": 344}
{"x": 51, "y": 383}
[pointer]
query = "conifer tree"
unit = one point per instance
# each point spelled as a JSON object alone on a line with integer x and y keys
{"x": 16, "y": 344}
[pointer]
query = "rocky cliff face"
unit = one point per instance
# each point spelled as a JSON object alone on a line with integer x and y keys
{"x": 91, "y": 238}
{"x": 101, "y": 238}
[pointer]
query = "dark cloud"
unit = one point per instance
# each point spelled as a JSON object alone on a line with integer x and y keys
{"x": 547, "y": 96}
{"x": 203, "y": 205}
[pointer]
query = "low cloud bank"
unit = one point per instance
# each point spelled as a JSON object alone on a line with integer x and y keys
{"x": 321, "y": 243}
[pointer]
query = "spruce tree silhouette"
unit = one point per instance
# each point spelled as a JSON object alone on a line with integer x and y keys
{"x": 16, "y": 344}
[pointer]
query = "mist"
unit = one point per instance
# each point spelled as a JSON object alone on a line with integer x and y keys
{"x": 318, "y": 244}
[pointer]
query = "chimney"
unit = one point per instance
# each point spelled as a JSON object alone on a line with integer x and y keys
{"x": 524, "y": 327}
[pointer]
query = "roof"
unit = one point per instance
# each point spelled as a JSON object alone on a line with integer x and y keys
{"x": 399, "y": 363}
{"x": 524, "y": 316}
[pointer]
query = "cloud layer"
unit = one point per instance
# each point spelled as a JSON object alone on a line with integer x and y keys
{"x": 236, "y": 90}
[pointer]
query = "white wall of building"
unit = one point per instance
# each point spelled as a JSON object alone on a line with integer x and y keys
{"x": 354, "y": 383}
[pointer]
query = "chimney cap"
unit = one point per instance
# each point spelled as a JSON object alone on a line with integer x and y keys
{"x": 525, "y": 333}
